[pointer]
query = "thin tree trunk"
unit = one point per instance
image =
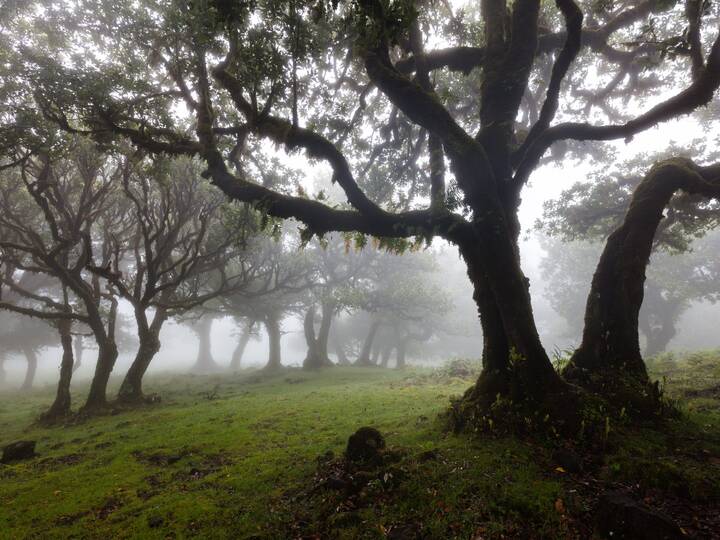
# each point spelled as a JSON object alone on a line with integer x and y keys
{"x": 205, "y": 362}
{"x": 385, "y": 355}
{"x": 375, "y": 356}
{"x": 340, "y": 352}
{"x": 31, "y": 357}
{"x": 240, "y": 348}
{"x": 78, "y": 344}
{"x": 400, "y": 357}
{"x": 364, "y": 358}
{"x": 3, "y": 373}
{"x": 61, "y": 406}
{"x": 272, "y": 324}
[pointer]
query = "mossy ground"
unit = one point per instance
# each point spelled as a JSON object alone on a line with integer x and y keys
{"x": 236, "y": 456}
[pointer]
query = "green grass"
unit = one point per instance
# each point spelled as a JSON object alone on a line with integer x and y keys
{"x": 235, "y": 457}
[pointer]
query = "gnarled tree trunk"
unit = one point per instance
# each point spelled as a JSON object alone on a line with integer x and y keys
{"x": 149, "y": 336}
{"x": 609, "y": 359}
{"x": 61, "y": 406}
{"x": 240, "y": 348}
{"x": 364, "y": 358}
{"x": 107, "y": 356}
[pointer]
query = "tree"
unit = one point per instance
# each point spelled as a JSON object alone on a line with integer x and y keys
{"x": 272, "y": 71}
{"x": 44, "y": 247}
{"x": 278, "y": 276}
{"x": 176, "y": 253}
{"x": 674, "y": 282}
{"x": 74, "y": 199}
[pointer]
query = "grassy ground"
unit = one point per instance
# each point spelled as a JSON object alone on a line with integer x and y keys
{"x": 237, "y": 457}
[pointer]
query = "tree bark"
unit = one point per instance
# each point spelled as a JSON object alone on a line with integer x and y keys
{"x": 149, "y": 336}
{"x": 364, "y": 358}
{"x": 31, "y": 357}
{"x": 317, "y": 354}
{"x": 609, "y": 354}
{"x": 515, "y": 363}
{"x": 205, "y": 362}
{"x": 78, "y": 344}
{"x": 240, "y": 348}
{"x": 107, "y": 355}
{"x": 272, "y": 324}
{"x": 61, "y": 406}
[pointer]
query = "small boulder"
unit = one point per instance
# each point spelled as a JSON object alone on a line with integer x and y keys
{"x": 17, "y": 451}
{"x": 365, "y": 445}
{"x": 619, "y": 516}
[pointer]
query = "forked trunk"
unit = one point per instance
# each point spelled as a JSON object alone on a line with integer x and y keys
{"x": 107, "y": 355}
{"x": 61, "y": 406}
{"x": 240, "y": 348}
{"x": 364, "y": 358}
{"x": 31, "y": 357}
{"x": 149, "y": 336}
{"x": 317, "y": 355}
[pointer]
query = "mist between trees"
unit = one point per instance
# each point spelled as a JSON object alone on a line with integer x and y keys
{"x": 155, "y": 157}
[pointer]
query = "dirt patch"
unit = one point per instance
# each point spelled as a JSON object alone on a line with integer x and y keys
{"x": 159, "y": 459}
{"x": 60, "y": 461}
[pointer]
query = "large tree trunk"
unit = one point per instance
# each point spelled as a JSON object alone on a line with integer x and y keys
{"x": 272, "y": 324}
{"x": 609, "y": 360}
{"x": 514, "y": 362}
{"x": 364, "y": 358}
{"x": 205, "y": 362}
{"x": 78, "y": 343}
{"x": 149, "y": 335}
{"x": 240, "y": 348}
{"x": 61, "y": 406}
{"x": 31, "y": 357}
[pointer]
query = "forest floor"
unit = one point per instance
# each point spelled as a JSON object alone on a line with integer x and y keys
{"x": 259, "y": 456}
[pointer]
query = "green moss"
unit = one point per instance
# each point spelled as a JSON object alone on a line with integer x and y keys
{"x": 234, "y": 456}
